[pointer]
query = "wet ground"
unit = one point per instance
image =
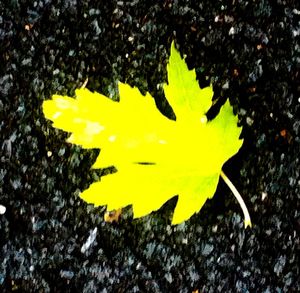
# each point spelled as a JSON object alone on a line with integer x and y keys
{"x": 51, "y": 241}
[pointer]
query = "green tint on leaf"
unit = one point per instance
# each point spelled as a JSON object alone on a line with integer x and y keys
{"x": 183, "y": 92}
{"x": 186, "y": 155}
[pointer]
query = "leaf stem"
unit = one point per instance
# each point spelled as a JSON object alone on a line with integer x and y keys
{"x": 84, "y": 83}
{"x": 247, "y": 221}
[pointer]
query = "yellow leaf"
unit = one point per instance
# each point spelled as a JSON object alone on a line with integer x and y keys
{"x": 156, "y": 158}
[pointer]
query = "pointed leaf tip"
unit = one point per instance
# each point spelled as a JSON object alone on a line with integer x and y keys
{"x": 188, "y": 100}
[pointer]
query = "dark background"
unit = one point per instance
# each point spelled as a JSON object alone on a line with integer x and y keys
{"x": 249, "y": 50}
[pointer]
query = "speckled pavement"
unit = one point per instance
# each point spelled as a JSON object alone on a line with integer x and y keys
{"x": 52, "y": 241}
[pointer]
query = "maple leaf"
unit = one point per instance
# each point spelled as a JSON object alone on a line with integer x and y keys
{"x": 156, "y": 158}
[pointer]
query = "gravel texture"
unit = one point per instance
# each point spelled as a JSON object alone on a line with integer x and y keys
{"x": 51, "y": 241}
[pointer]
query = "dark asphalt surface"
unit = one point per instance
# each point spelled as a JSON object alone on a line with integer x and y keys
{"x": 51, "y": 241}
